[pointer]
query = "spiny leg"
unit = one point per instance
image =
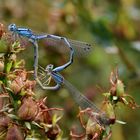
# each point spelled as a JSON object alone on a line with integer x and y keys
{"x": 53, "y": 76}
{"x": 42, "y": 74}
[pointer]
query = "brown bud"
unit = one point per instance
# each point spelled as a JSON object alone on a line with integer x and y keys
{"x": 4, "y": 100}
{"x": 107, "y": 107}
{"x": 4, "y": 121}
{"x": 43, "y": 114}
{"x": 18, "y": 82}
{"x": 28, "y": 109}
{"x": 14, "y": 133}
{"x": 16, "y": 86}
{"x": 21, "y": 82}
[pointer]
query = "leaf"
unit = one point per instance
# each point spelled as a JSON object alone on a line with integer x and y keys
{"x": 33, "y": 122}
{"x": 13, "y": 116}
{"x": 125, "y": 101}
{"x": 9, "y": 66}
{"x": 18, "y": 64}
{"x": 28, "y": 125}
{"x": 55, "y": 119}
{"x": 120, "y": 122}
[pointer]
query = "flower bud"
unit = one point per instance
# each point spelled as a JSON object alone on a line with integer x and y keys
{"x": 4, "y": 100}
{"x": 4, "y": 121}
{"x": 15, "y": 87}
{"x": 43, "y": 114}
{"x": 21, "y": 82}
{"x": 28, "y": 109}
{"x": 14, "y": 133}
{"x": 109, "y": 112}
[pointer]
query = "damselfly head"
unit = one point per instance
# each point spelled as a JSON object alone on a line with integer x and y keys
{"x": 12, "y": 27}
{"x": 49, "y": 68}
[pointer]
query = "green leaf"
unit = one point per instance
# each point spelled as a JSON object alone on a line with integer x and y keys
{"x": 34, "y": 123}
{"x": 55, "y": 119}
{"x": 120, "y": 122}
{"x": 18, "y": 64}
{"x": 28, "y": 125}
{"x": 13, "y": 116}
{"x": 9, "y": 66}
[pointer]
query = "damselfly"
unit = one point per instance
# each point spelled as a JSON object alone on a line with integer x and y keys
{"x": 79, "y": 98}
{"x": 51, "y": 40}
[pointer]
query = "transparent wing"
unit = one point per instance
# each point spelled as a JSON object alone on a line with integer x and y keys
{"x": 80, "y": 48}
{"x": 79, "y": 98}
{"x": 85, "y": 103}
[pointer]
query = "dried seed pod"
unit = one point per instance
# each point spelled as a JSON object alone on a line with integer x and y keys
{"x": 4, "y": 122}
{"x": 14, "y": 133}
{"x": 43, "y": 114}
{"x": 28, "y": 109}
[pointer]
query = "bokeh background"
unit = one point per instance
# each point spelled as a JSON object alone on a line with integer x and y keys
{"x": 113, "y": 29}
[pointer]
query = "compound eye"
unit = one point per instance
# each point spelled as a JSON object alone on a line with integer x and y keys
{"x": 12, "y": 27}
{"x": 50, "y": 66}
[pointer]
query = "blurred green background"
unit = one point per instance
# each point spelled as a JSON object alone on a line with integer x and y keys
{"x": 113, "y": 29}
